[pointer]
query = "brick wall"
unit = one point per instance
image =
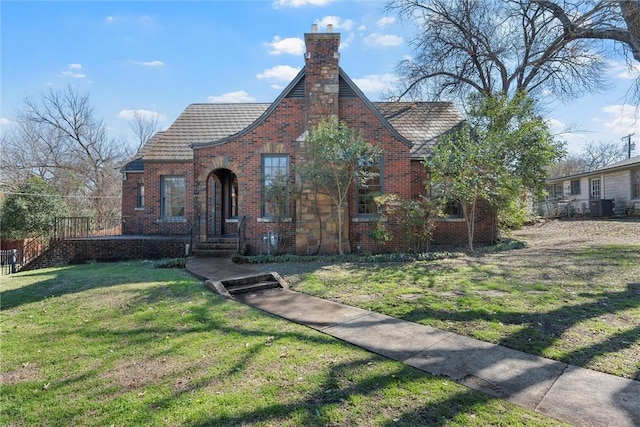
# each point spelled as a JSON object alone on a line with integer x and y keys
{"x": 77, "y": 251}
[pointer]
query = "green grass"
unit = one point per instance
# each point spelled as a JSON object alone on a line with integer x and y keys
{"x": 131, "y": 344}
{"x": 581, "y": 307}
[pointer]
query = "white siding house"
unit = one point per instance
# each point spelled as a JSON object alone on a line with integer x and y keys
{"x": 611, "y": 190}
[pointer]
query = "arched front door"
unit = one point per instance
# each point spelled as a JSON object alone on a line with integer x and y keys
{"x": 223, "y": 202}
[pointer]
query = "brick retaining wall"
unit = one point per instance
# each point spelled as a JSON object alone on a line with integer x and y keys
{"x": 78, "y": 251}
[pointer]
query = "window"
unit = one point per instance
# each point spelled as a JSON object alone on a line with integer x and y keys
{"x": 594, "y": 184}
{"x": 635, "y": 184}
{"x": 453, "y": 209}
{"x": 557, "y": 191}
{"x": 575, "y": 187}
{"x": 371, "y": 186}
{"x": 140, "y": 195}
{"x": 275, "y": 191}
{"x": 172, "y": 193}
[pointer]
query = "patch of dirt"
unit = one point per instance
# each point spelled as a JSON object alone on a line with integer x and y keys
{"x": 26, "y": 373}
{"x": 568, "y": 234}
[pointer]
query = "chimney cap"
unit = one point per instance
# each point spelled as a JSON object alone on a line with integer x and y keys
{"x": 329, "y": 28}
{"x": 314, "y": 28}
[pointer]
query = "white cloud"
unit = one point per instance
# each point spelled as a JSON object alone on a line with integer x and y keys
{"x": 289, "y": 45}
{"x": 109, "y": 19}
{"x": 145, "y": 114}
{"x": 5, "y": 122}
{"x": 73, "y": 75}
{"x": 622, "y": 119}
{"x": 73, "y": 72}
{"x": 631, "y": 72}
{"x": 279, "y": 72}
{"x": 375, "y": 84}
{"x": 230, "y": 97}
{"x": 383, "y": 40}
{"x": 386, "y": 21}
{"x": 155, "y": 63}
{"x": 344, "y": 43}
{"x": 622, "y": 70}
{"x": 299, "y": 3}
{"x": 337, "y": 22}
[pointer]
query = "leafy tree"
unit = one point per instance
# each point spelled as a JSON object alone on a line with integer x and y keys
{"x": 333, "y": 155}
{"x": 503, "y": 148}
{"x": 31, "y": 211}
{"x": 416, "y": 219}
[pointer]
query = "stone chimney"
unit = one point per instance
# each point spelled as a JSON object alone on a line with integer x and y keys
{"x": 321, "y": 74}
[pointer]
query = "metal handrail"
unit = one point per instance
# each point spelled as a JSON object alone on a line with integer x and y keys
{"x": 192, "y": 227}
{"x": 241, "y": 227}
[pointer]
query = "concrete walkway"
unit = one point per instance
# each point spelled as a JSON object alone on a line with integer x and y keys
{"x": 576, "y": 395}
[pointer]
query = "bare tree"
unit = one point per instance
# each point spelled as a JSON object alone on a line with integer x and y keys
{"x": 491, "y": 46}
{"x": 618, "y": 21}
{"x": 599, "y": 154}
{"x": 143, "y": 126}
{"x": 594, "y": 155}
{"x": 60, "y": 138}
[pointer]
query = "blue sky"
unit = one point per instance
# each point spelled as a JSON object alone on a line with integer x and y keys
{"x": 159, "y": 56}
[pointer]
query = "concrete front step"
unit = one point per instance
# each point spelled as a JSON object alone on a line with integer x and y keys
{"x": 253, "y": 287}
{"x": 216, "y": 248}
{"x": 247, "y": 284}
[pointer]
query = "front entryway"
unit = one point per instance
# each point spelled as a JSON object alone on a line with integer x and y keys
{"x": 223, "y": 203}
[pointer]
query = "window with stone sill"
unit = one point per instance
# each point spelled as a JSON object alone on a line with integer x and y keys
{"x": 275, "y": 188}
{"x": 366, "y": 191}
{"x": 172, "y": 198}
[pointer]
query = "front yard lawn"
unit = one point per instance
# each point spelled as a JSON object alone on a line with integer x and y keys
{"x": 128, "y": 344}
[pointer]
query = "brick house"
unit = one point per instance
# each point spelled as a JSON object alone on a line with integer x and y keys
{"x": 206, "y": 173}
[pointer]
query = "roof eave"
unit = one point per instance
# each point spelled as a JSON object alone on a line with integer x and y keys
{"x": 605, "y": 169}
{"x": 259, "y": 120}
{"x": 373, "y": 109}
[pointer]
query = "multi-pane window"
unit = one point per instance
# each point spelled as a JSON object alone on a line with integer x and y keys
{"x": 172, "y": 194}
{"x": 635, "y": 184}
{"x": 140, "y": 195}
{"x": 575, "y": 187}
{"x": 275, "y": 191}
{"x": 368, "y": 188}
{"x": 453, "y": 209}
{"x": 594, "y": 185}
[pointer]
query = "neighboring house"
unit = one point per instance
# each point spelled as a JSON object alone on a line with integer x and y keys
{"x": 206, "y": 174}
{"x": 611, "y": 190}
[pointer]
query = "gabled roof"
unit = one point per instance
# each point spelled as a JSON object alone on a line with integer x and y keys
{"x": 202, "y": 123}
{"x": 137, "y": 164}
{"x": 416, "y": 124}
{"x": 422, "y": 123}
{"x": 624, "y": 164}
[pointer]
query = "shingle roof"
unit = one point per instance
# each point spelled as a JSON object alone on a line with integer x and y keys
{"x": 623, "y": 164}
{"x": 420, "y": 122}
{"x": 137, "y": 164}
{"x": 202, "y": 123}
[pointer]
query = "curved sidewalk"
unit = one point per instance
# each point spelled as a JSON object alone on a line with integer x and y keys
{"x": 569, "y": 393}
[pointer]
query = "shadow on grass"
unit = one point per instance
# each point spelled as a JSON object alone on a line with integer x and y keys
{"x": 69, "y": 280}
{"x": 327, "y": 403}
{"x": 542, "y": 330}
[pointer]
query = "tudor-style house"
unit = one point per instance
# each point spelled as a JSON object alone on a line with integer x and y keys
{"x": 206, "y": 174}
